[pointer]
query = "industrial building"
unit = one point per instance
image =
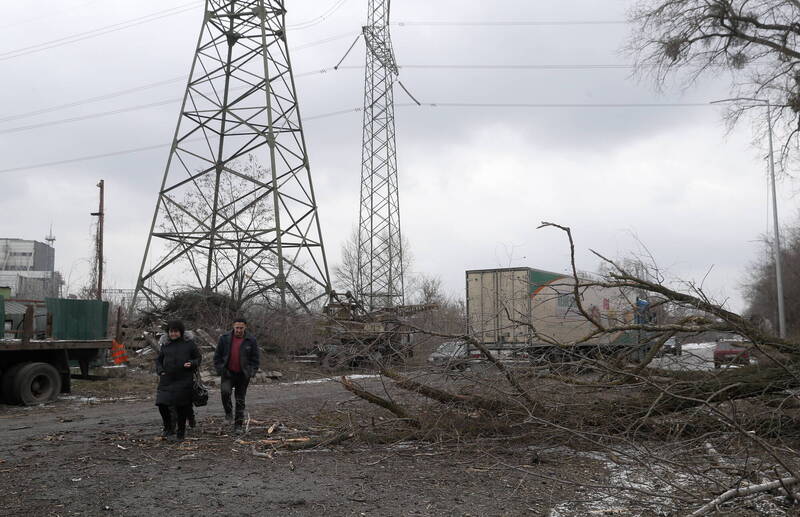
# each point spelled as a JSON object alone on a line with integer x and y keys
{"x": 27, "y": 269}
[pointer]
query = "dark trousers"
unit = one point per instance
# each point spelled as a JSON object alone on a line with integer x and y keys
{"x": 236, "y": 383}
{"x": 189, "y": 414}
{"x": 170, "y": 420}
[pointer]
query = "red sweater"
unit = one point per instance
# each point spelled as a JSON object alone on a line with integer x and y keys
{"x": 234, "y": 363}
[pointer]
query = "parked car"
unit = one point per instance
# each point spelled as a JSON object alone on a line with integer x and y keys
{"x": 671, "y": 347}
{"x": 727, "y": 352}
{"x": 450, "y": 354}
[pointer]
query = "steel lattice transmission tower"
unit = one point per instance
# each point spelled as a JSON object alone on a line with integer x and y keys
{"x": 236, "y": 212}
{"x": 380, "y": 253}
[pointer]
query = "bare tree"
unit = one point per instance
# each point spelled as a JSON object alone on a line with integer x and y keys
{"x": 760, "y": 289}
{"x": 430, "y": 290}
{"x": 756, "y": 41}
{"x": 677, "y": 440}
{"x": 345, "y": 274}
{"x": 249, "y": 212}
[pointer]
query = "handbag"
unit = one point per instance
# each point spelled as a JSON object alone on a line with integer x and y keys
{"x": 199, "y": 391}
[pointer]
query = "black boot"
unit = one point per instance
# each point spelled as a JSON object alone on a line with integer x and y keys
{"x": 168, "y": 421}
{"x": 184, "y": 413}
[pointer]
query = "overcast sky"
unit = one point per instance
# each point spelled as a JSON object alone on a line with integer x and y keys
{"x": 474, "y": 182}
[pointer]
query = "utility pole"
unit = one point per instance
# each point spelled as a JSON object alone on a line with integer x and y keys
{"x": 380, "y": 245}
{"x": 776, "y": 244}
{"x": 236, "y": 212}
{"x": 99, "y": 241}
{"x": 776, "y": 228}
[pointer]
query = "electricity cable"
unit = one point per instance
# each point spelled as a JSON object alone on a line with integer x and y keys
{"x": 90, "y": 100}
{"x": 555, "y": 105}
{"x": 73, "y": 38}
{"x": 100, "y": 114}
{"x": 98, "y": 32}
{"x": 360, "y": 109}
{"x": 127, "y": 91}
{"x": 512, "y": 23}
{"x": 319, "y": 19}
{"x": 50, "y": 13}
{"x": 149, "y": 147}
{"x": 89, "y": 116}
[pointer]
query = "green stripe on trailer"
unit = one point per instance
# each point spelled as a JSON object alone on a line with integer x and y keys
{"x": 538, "y": 279}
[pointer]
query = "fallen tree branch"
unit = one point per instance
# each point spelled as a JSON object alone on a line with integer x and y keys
{"x": 382, "y": 402}
{"x": 744, "y": 491}
{"x": 445, "y": 397}
{"x": 323, "y": 441}
{"x": 505, "y": 371}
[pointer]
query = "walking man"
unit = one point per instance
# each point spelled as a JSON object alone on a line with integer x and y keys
{"x": 236, "y": 359}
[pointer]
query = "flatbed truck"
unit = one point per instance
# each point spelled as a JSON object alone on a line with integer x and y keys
{"x": 34, "y": 371}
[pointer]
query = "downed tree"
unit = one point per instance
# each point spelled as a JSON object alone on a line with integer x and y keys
{"x": 621, "y": 398}
{"x": 445, "y": 397}
{"x": 733, "y": 493}
{"x": 398, "y": 411}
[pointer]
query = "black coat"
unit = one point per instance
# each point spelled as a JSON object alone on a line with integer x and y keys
{"x": 174, "y": 381}
{"x": 249, "y": 355}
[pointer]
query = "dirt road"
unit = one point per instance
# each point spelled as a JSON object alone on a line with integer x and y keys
{"x": 87, "y": 456}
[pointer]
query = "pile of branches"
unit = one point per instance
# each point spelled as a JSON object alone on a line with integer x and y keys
{"x": 193, "y": 307}
{"x": 598, "y": 400}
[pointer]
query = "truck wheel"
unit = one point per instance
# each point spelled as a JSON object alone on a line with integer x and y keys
{"x": 10, "y": 395}
{"x": 37, "y": 383}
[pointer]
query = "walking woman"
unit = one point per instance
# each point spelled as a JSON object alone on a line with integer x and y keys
{"x": 175, "y": 365}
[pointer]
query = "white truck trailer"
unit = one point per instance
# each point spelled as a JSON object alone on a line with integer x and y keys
{"x": 526, "y": 308}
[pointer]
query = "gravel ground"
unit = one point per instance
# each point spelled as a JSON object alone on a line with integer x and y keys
{"x": 97, "y": 452}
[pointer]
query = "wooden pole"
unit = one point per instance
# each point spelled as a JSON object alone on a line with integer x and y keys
{"x": 99, "y": 242}
{"x": 118, "y": 329}
{"x": 100, "y": 221}
{"x": 27, "y": 325}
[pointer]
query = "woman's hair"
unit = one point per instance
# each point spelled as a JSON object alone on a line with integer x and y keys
{"x": 176, "y": 325}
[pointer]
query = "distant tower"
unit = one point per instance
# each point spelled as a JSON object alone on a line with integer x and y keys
{"x": 50, "y": 238}
{"x": 236, "y": 211}
{"x": 380, "y": 252}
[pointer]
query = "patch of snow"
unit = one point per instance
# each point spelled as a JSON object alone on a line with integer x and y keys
{"x": 698, "y": 346}
{"x": 88, "y": 400}
{"x": 331, "y": 379}
{"x": 626, "y": 484}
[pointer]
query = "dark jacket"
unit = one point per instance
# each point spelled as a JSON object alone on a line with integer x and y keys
{"x": 249, "y": 355}
{"x": 174, "y": 381}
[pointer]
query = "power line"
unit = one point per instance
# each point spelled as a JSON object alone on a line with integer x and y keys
{"x": 127, "y": 91}
{"x": 557, "y": 105}
{"x": 319, "y": 19}
{"x": 325, "y": 40}
{"x": 73, "y": 38}
{"x": 50, "y": 13}
{"x": 50, "y": 123}
{"x": 522, "y": 67}
{"x": 90, "y": 100}
{"x": 511, "y": 66}
{"x": 99, "y": 114}
{"x": 99, "y": 31}
{"x": 360, "y": 109}
{"x": 564, "y": 23}
{"x": 83, "y": 158}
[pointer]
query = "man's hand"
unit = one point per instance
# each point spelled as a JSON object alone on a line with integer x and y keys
{"x": 187, "y": 364}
